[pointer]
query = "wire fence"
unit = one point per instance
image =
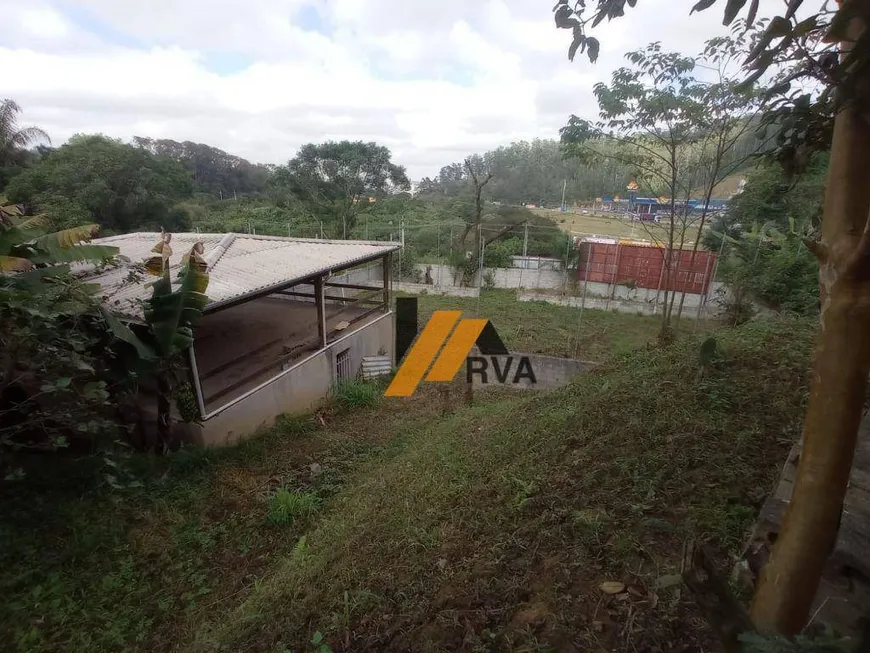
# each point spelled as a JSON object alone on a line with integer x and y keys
{"x": 542, "y": 262}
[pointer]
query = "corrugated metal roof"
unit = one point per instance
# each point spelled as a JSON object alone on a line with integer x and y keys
{"x": 240, "y": 265}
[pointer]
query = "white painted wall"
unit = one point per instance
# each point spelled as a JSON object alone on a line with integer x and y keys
{"x": 518, "y": 278}
{"x": 297, "y": 390}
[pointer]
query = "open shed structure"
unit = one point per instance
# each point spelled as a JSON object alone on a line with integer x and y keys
{"x": 287, "y": 319}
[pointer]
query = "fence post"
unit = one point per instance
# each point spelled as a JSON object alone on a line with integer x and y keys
{"x": 583, "y": 299}
{"x": 702, "y": 301}
{"x": 479, "y": 272}
{"x": 438, "y": 251}
{"x": 614, "y": 278}
{"x": 565, "y": 267}
{"x": 661, "y": 276}
{"x": 525, "y": 251}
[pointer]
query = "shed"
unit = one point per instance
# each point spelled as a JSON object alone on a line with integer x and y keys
{"x": 287, "y": 319}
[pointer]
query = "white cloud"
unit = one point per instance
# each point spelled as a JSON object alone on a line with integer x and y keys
{"x": 433, "y": 81}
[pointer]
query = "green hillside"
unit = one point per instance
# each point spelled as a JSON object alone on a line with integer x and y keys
{"x": 488, "y": 528}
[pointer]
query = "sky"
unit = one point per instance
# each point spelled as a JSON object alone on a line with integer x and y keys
{"x": 434, "y": 81}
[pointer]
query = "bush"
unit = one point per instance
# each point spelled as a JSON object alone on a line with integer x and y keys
{"x": 285, "y": 506}
{"x": 358, "y": 394}
{"x": 405, "y": 265}
{"x": 498, "y": 254}
{"x": 779, "y": 272}
{"x": 464, "y": 267}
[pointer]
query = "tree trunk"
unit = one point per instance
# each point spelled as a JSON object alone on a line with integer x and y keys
{"x": 789, "y": 582}
{"x": 665, "y": 335}
{"x": 164, "y": 410}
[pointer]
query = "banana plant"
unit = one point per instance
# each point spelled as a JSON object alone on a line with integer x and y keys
{"x": 170, "y": 314}
{"x": 27, "y": 245}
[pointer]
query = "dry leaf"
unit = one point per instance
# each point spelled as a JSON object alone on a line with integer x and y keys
{"x": 612, "y": 587}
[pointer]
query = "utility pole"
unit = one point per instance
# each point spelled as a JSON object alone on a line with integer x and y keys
{"x": 525, "y": 241}
{"x": 564, "y": 188}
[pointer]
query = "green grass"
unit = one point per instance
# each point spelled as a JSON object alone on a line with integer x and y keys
{"x": 544, "y": 328}
{"x": 358, "y": 394}
{"x": 485, "y": 528}
{"x": 286, "y": 506}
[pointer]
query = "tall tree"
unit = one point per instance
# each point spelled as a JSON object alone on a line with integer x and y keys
{"x": 831, "y": 48}
{"x": 338, "y": 178}
{"x": 649, "y": 119}
{"x": 732, "y": 112}
{"x": 14, "y": 139}
{"x": 214, "y": 171}
{"x": 97, "y": 179}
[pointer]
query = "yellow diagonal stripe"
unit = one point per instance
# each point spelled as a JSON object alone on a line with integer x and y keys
{"x": 456, "y": 350}
{"x": 417, "y": 361}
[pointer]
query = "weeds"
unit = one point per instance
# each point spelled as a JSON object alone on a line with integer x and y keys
{"x": 358, "y": 394}
{"x": 489, "y": 528}
{"x": 286, "y": 506}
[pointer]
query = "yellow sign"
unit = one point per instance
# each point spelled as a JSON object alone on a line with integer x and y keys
{"x": 616, "y": 199}
{"x": 663, "y": 200}
{"x": 423, "y": 352}
{"x": 632, "y": 185}
{"x": 455, "y": 352}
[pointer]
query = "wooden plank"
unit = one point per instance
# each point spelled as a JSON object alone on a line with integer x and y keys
{"x": 345, "y": 309}
{"x": 321, "y": 311}
{"x": 364, "y": 297}
{"x": 361, "y": 298}
{"x": 294, "y": 293}
{"x": 352, "y": 286}
{"x": 362, "y": 316}
{"x": 388, "y": 277}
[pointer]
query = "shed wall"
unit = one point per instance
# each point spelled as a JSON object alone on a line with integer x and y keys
{"x": 299, "y": 389}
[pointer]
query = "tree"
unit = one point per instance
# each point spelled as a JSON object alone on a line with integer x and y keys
{"x": 170, "y": 315}
{"x": 337, "y": 178}
{"x": 53, "y": 384}
{"x": 733, "y": 110}
{"x": 15, "y": 139}
{"x": 763, "y": 254}
{"x": 830, "y": 47}
{"x": 649, "y": 120}
{"x": 214, "y": 171}
{"x": 98, "y": 179}
{"x": 534, "y": 172}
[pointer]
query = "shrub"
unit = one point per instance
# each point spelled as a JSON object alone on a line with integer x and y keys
{"x": 405, "y": 265}
{"x": 498, "y": 254}
{"x": 358, "y": 394}
{"x": 285, "y": 506}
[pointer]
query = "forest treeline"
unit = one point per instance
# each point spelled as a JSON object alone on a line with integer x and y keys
{"x": 325, "y": 190}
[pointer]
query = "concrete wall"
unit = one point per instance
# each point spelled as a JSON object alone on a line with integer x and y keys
{"x": 550, "y": 372}
{"x": 297, "y": 390}
{"x": 442, "y": 275}
{"x": 623, "y": 303}
{"x": 631, "y": 300}
{"x": 372, "y": 272}
{"x": 426, "y": 289}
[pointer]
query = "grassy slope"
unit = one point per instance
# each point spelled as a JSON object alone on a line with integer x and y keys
{"x": 488, "y": 529}
{"x": 542, "y": 328}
